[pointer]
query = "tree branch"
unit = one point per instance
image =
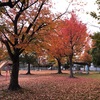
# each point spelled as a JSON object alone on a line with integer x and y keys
{"x": 9, "y": 3}
{"x": 39, "y": 10}
{"x": 64, "y": 12}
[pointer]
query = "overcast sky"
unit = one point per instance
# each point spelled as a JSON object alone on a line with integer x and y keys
{"x": 61, "y": 5}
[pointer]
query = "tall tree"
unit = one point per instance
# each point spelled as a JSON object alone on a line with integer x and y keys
{"x": 20, "y": 24}
{"x": 75, "y": 38}
{"x": 55, "y": 50}
{"x": 54, "y": 47}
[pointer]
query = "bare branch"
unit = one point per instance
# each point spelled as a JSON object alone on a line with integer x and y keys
{"x": 64, "y": 12}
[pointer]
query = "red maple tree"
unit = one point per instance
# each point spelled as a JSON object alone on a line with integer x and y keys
{"x": 75, "y": 38}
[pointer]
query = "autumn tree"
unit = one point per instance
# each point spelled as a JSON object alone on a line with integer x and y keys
{"x": 75, "y": 38}
{"x": 55, "y": 50}
{"x": 54, "y": 47}
{"x": 86, "y": 55}
{"x": 20, "y": 24}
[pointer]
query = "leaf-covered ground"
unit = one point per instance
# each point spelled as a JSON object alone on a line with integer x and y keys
{"x": 52, "y": 87}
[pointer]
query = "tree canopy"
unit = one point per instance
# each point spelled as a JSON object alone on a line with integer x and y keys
{"x": 96, "y": 48}
{"x": 68, "y": 39}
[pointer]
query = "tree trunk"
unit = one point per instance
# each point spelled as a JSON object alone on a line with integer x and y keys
{"x": 0, "y": 71}
{"x": 96, "y": 68}
{"x": 87, "y": 69}
{"x": 14, "y": 85}
{"x": 59, "y": 66}
{"x": 28, "y": 72}
{"x": 71, "y": 65}
{"x": 84, "y": 68}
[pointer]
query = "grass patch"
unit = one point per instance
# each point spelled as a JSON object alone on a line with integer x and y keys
{"x": 94, "y": 75}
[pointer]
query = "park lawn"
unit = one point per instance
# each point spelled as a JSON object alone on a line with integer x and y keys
{"x": 47, "y": 85}
{"x": 95, "y": 75}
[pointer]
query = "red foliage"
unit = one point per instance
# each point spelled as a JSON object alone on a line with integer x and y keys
{"x": 75, "y": 34}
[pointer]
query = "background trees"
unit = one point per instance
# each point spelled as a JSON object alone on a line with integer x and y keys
{"x": 68, "y": 39}
{"x": 96, "y": 49}
{"x": 29, "y": 58}
{"x": 96, "y": 37}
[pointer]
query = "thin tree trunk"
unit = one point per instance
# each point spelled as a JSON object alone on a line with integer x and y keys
{"x": 0, "y": 71}
{"x": 96, "y": 68}
{"x": 29, "y": 71}
{"x": 87, "y": 69}
{"x": 14, "y": 84}
{"x": 71, "y": 65}
{"x": 59, "y": 66}
{"x": 84, "y": 68}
